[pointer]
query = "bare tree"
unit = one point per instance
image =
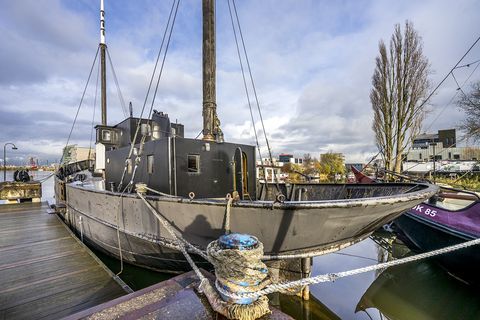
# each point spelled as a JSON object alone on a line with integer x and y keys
{"x": 400, "y": 82}
{"x": 470, "y": 104}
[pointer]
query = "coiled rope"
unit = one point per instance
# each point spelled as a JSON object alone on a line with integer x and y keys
{"x": 232, "y": 311}
{"x": 247, "y": 275}
{"x": 334, "y": 276}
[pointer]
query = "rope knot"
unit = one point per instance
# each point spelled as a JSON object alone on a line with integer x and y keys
{"x": 240, "y": 271}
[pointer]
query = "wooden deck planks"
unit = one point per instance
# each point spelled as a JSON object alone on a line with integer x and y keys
{"x": 45, "y": 272}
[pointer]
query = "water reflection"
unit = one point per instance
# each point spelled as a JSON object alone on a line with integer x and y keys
{"x": 420, "y": 290}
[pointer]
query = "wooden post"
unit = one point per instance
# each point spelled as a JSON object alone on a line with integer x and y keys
{"x": 306, "y": 273}
{"x": 209, "y": 70}
{"x": 103, "y": 71}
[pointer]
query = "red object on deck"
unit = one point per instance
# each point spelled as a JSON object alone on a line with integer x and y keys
{"x": 360, "y": 177}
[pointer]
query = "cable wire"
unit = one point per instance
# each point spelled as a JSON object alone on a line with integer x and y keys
{"x": 245, "y": 84}
{"x": 94, "y": 109}
{"x": 132, "y": 145}
{"x": 255, "y": 93}
{"x": 80, "y": 104}
{"x": 119, "y": 92}
{"x": 420, "y": 107}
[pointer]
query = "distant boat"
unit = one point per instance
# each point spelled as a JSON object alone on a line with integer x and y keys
{"x": 450, "y": 217}
{"x": 189, "y": 180}
{"x": 360, "y": 177}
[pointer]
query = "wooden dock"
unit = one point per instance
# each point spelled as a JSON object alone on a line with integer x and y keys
{"x": 45, "y": 271}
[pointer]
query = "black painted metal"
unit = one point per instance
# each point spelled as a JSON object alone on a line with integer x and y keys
{"x": 422, "y": 235}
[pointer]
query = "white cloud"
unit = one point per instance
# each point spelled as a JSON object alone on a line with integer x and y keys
{"x": 312, "y": 62}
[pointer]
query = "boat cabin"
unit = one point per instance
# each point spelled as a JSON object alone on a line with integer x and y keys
{"x": 173, "y": 164}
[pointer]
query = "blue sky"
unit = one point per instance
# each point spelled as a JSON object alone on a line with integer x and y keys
{"x": 312, "y": 62}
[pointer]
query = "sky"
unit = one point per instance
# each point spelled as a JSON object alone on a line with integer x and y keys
{"x": 312, "y": 64}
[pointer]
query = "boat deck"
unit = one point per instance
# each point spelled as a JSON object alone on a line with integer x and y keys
{"x": 45, "y": 271}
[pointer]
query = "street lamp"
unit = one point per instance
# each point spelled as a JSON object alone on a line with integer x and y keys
{"x": 5, "y": 159}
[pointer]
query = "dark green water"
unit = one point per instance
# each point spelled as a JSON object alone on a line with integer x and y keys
{"x": 419, "y": 290}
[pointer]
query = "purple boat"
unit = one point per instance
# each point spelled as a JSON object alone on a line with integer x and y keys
{"x": 450, "y": 217}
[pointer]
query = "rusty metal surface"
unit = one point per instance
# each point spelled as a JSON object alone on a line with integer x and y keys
{"x": 176, "y": 298}
{"x": 307, "y": 227}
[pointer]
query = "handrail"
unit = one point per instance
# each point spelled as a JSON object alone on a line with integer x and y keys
{"x": 471, "y": 197}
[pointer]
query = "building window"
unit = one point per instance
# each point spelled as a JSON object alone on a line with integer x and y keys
{"x": 145, "y": 129}
{"x": 456, "y": 156}
{"x": 194, "y": 163}
{"x": 150, "y": 164}
{"x": 420, "y": 156}
{"x": 449, "y": 155}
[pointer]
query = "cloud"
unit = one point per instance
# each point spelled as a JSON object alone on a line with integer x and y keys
{"x": 312, "y": 63}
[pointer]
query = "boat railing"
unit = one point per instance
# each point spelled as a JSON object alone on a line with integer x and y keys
{"x": 453, "y": 193}
{"x": 72, "y": 168}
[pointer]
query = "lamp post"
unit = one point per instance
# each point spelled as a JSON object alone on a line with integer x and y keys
{"x": 5, "y": 158}
{"x": 433, "y": 144}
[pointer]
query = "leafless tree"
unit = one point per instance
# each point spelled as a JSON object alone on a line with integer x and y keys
{"x": 470, "y": 104}
{"x": 400, "y": 84}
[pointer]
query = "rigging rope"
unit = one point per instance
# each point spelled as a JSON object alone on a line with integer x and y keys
{"x": 228, "y": 262}
{"x": 119, "y": 92}
{"x": 93, "y": 117}
{"x": 172, "y": 10}
{"x": 80, "y": 104}
{"x": 254, "y": 92}
{"x": 245, "y": 83}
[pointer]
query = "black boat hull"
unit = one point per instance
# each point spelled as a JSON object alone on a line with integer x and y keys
{"x": 423, "y": 235}
{"x": 316, "y": 227}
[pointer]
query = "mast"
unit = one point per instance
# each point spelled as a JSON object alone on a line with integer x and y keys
{"x": 103, "y": 72}
{"x": 211, "y": 124}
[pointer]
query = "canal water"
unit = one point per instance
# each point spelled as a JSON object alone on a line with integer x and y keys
{"x": 418, "y": 290}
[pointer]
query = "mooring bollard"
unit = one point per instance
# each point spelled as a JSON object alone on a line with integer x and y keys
{"x": 236, "y": 282}
{"x": 239, "y": 269}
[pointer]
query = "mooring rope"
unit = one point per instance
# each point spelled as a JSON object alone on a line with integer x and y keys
{"x": 161, "y": 193}
{"x": 334, "y": 276}
{"x": 182, "y": 243}
{"x": 227, "y": 213}
{"x": 240, "y": 274}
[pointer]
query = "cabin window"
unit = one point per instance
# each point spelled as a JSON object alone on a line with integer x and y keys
{"x": 456, "y": 156}
{"x": 145, "y": 129}
{"x": 449, "y": 155}
{"x": 150, "y": 164}
{"x": 420, "y": 156}
{"x": 106, "y": 135}
{"x": 129, "y": 166}
{"x": 194, "y": 163}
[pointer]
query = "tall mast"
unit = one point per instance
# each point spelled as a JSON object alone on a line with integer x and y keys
{"x": 210, "y": 120}
{"x": 103, "y": 72}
